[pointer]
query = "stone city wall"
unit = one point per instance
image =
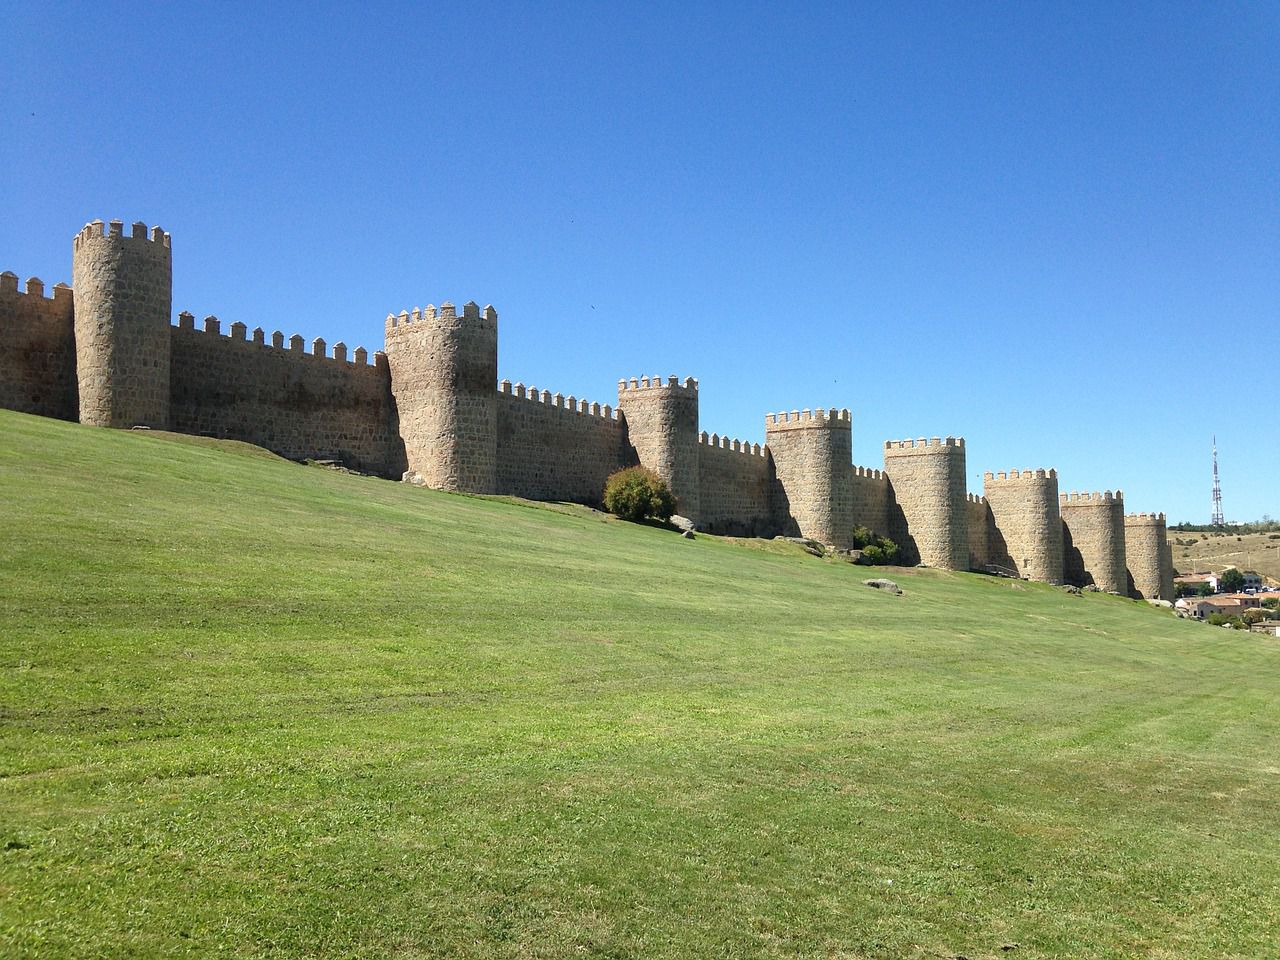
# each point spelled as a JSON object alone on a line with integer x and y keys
{"x": 444, "y": 366}
{"x": 123, "y": 297}
{"x": 812, "y": 452}
{"x": 1148, "y": 557}
{"x": 552, "y": 447}
{"x": 37, "y": 349}
{"x": 1024, "y": 506}
{"x": 1093, "y": 540}
{"x": 867, "y": 491}
{"x": 297, "y": 404}
{"x": 981, "y": 530}
{"x": 661, "y": 420}
{"x": 734, "y": 480}
{"x": 929, "y": 513}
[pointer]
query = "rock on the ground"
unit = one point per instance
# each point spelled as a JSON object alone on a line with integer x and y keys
{"x": 1071, "y": 588}
{"x": 880, "y": 583}
{"x": 683, "y": 524}
{"x": 1160, "y": 603}
{"x": 412, "y": 476}
{"x": 687, "y": 534}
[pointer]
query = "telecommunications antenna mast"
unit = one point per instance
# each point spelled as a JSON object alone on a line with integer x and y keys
{"x": 1216, "y": 519}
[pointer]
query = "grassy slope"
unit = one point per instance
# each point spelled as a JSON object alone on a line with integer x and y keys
{"x": 251, "y": 708}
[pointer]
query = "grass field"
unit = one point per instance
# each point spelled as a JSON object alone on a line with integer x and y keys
{"x": 250, "y": 708}
{"x": 1217, "y": 551}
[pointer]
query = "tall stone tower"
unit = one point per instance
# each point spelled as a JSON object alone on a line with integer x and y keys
{"x": 662, "y": 427}
{"x": 123, "y": 298}
{"x": 1093, "y": 540}
{"x": 931, "y": 522}
{"x": 1024, "y": 507}
{"x": 444, "y": 380}
{"x": 1150, "y": 560}
{"x": 812, "y": 455}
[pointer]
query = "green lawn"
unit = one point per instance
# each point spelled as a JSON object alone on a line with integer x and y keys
{"x": 250, "y": 708}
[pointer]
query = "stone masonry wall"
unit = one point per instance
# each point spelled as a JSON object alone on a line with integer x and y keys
{"x": 124, "y": 289}
{"x": 981, "y": 526}
{"x": 37, "y": 349}
{"x": 297, "y": 404}
{"x": 661, "y": 420}
{"x": 1024, "y": 506}
{"x": 812, "y": 453}
{"x": 869, "y": 499}
{"x": 1148, "y": 556}
{"x": 444, "y": 366}
{"x": 734, "y": 480}
{"x": 929, "y": 515}
{"x": 555, "y": 448}
{"x": 1093, "y": 540}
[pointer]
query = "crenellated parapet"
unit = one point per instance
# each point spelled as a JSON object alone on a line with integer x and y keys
{"x": 557, "y": 401}
{"x": 1148, "y": 556}
{"x": 1027, "y": 534}
{"x": 1093, "y": 540}
{"x": 929, "y": 519}
{"x": 717, "y": 442}
{"x": 37, "y": 348}
{"x": 661, "y": 419}
{"x": 238, "y": 333}
{"x": 124, "y": 294}
{"x": 444, "y": 365}
{"x": 812, "y": 454}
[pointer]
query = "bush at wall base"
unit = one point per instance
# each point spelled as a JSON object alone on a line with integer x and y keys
{"x": 637, "y": 493}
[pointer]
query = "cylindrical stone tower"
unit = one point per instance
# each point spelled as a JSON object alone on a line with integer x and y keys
{"x": 931, "y": 510}
{"x": 662, "y": 427}
{"x": 812, "y": 455}
{"x": 1093, "y": 540}
{"x": 444, "y": 380}
{"x": 123, "y": 297}
{"x": 1028, "y": 527}
{"x": 1146, "y": 547}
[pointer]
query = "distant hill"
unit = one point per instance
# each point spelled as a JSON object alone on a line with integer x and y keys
{"x": 1214, "y": 552}
{"x": 250, "y": 708}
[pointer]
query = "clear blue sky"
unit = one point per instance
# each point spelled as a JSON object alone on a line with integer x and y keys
{"x": 1053, "y": 229}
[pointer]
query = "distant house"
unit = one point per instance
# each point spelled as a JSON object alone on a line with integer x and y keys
{"x": 1201, "y": 608}
{"x": 1252, "y": 581}
{"x": 1269, "y": 627}
{"x": 1195, "y": 580}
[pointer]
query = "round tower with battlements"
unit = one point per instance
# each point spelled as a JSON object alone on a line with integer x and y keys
{"x": 123, "y": 284}
{"x": 1027, "y": 528}
{"x": 662, "y": 427}
{"x": 930, "y": 510}
{"x": 1149, "y": 559}
{"x": 444, "y": 376}
{"x": 1093, "y": 540}
{"x": 812, "y": 454}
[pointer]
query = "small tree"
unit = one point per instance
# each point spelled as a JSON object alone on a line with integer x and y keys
{"x": 1231, "y": 580}
{"x": 1204, "y": 590}
{"x": 637, "y": 493}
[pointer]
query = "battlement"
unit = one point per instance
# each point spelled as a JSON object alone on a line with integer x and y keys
{"x": 96, "y": 229}
{"x": 34, "y": 287}
{"x": 1013, "y": 476}
{"x": 1093, "y": 499}
{"x": 923, "y": 446}
{"x": 736, "y": 446}
{"x": 976, "y": 498}
{"x": 868, "y": 473}
{"x": 689, "y": 385}
{"x": 558, "y": 401}
{"x": 1143, "y": 519}
{"x": 817, "y": 419}
{"x": 238, "y": 333}
{"x": 396, "y": 323}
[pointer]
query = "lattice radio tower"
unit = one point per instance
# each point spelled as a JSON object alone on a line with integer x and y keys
{"x": 1216, "y": 520}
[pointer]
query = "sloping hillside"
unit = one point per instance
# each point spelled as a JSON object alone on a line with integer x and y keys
{"x": 250, "y": 708}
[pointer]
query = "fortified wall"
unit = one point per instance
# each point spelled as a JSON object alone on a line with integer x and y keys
{"x": 106, "y": 351}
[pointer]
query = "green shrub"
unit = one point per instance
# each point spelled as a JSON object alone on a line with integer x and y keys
{"x": 876, "y": 550}
{"x": 637, "y": 493}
